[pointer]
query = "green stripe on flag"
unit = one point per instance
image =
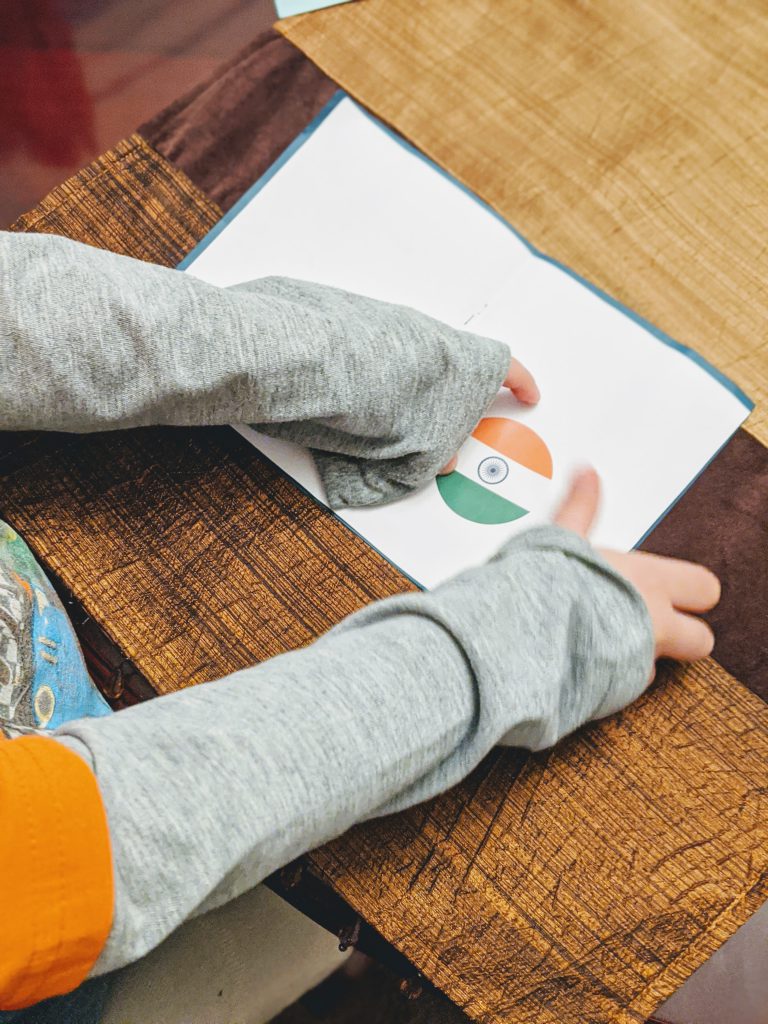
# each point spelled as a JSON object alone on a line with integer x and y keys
{"x": 474, "y": 502}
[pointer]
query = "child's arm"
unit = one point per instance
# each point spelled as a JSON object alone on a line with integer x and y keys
{"x": 208, "y": 790}
{"x": 90, "y": 340}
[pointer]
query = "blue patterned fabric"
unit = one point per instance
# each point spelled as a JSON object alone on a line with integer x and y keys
{"x": 43, "y": 678}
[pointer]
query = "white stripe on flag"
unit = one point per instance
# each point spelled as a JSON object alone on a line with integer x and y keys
{"x": 530, "y": 490}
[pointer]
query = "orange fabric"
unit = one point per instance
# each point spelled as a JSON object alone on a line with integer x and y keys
{"x": 56, "y": 888}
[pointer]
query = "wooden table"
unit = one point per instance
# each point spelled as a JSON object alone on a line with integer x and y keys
{"x": 139, "y": 527}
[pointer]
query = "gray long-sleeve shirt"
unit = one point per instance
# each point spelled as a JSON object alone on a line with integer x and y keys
{"x": 208, "y": 790}
{"x": 95, "y": 341}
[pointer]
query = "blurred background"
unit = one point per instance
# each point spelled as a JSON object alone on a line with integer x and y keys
{"x": 78, "y": 75}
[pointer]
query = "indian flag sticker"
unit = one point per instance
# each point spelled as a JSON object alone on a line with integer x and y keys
{"x": 503, "y": 472}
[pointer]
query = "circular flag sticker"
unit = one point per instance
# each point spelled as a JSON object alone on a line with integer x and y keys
{"x": 508, "y": 445}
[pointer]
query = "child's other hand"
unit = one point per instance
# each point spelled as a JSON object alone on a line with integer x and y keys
{"x": 676, "y": 592}
{"x": 520, "y": 382}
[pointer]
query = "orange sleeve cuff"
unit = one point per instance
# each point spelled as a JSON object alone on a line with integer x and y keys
{"x": 55, "y": 871}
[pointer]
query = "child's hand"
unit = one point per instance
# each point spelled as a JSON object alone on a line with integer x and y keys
{"x": 672, "y": 589}
{"x": 522, "y": 385}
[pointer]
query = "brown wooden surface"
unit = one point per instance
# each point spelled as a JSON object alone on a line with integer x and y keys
{"x": 584, "y": 883}
{"x": 147, "y": 528}
{"x": 722, "y": 522}
{"x": 197, "y": 555}
{"x": 129, "y": 202}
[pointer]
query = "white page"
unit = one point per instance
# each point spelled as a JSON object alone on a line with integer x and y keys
{"x": 354, "y": 207}
{"x": 645, "y": 415}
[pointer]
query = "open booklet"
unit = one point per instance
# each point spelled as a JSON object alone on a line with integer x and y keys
{"x": 353, "y": 205}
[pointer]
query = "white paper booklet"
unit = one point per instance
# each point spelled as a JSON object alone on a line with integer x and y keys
{"x": 353, "y": 205}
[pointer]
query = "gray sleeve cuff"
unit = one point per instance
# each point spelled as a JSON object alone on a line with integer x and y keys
{"x": 452, "y": 409}
{"x": 623, "y": 650}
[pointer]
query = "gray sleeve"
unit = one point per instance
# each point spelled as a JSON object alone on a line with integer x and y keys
{"x": 209, "y": 790}
{"x": 90, "y": 340}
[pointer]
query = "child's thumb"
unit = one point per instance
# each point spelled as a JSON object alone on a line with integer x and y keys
{"x": 579, "y": 506}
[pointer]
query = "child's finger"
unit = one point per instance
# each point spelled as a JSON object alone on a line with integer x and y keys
{"x": 687, "y": 638}
{"x": 449, "y": 466}
{"x": 699, "y": 589}
{"x": 690, "y": 587}
{"x": 579, "y": 507}
{"x": 520, "y": 382}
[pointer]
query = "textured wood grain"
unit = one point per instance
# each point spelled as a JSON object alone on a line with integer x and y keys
{"x": 129, "y": 201}
{"x": 198, "y": 555}
{"x": 626, "y": 139}
{"x": 586, "y": 883}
